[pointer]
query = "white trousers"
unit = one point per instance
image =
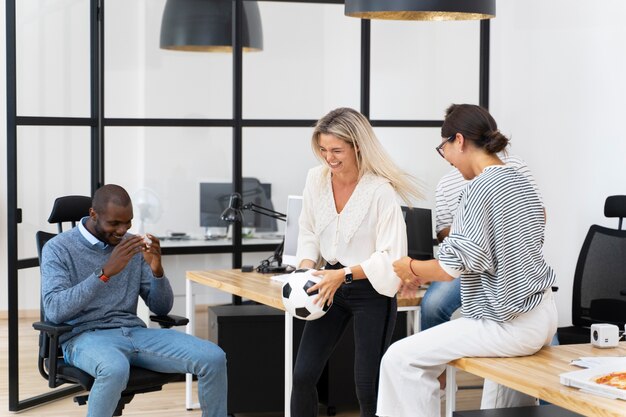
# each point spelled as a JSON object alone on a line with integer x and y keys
{"x": 409, "y": 369}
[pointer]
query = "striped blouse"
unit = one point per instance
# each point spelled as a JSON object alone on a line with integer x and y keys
{"x": 451, "y": 184}
{"x": 495, "y": 246}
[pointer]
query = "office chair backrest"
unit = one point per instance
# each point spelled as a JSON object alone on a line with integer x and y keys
{"x": 600, "y": 273}
{"x": 70, "y": 208}
{"x": 64, "y": 209}
{"x": 615, "y": 206}
{"x": 41, "y": 238}
{"x": 419, "y": 230}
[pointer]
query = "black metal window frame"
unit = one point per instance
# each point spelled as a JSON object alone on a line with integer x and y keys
{"x": 97, "y": 122}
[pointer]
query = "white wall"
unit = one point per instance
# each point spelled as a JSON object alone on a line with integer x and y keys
{"x": 556, "y": 87}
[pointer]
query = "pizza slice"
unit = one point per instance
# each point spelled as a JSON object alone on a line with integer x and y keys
{"x": 614, "y": 379}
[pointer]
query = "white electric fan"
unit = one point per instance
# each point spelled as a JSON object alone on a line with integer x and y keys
{"x": 146, "y": 208}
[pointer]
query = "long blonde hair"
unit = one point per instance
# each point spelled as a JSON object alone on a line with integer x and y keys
{"x": 353, "y": 128}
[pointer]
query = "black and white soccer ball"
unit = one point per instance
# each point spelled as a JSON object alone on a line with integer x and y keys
{"x": 297, "y": 301}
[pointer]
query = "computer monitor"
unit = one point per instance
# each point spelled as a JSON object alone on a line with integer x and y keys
{"x": 215, "y": 197}
{"x": 292, "y": 227}
{"x": 419, "y": 231}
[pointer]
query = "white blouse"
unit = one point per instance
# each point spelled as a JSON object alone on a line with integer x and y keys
{"x": 370, "y": 230}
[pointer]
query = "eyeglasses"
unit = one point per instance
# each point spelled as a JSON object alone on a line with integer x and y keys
{"x": 439, "y": 148}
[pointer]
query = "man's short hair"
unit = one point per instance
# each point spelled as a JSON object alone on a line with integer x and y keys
{"x": 109, "y": 193}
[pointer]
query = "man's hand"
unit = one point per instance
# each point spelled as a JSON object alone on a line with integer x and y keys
{"x": 443, "y": 233}
{"x": 122, "y": 254}
{"x": 152, "y": 254}
{"x": 410, "y": 288}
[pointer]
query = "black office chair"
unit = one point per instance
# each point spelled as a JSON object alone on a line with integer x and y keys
{"x": 600, "y": 278}
{"x": 419, "y": 230}
{"x": 51, "y": 364}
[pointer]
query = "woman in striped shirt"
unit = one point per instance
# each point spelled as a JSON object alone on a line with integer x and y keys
{"x": 495, "y": 247}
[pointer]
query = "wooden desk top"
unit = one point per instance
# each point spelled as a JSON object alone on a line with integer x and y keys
{"x": 538, "y": 376}
{"x": 258, "y": 287}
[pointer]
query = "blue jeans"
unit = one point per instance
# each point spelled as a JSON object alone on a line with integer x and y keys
{"x": 107, "y": 355}
{"x": 441, "y": 300}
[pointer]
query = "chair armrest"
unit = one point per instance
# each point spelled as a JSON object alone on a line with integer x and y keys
{"x": 51, "y": 328}
{"x": 622, "y": 292}
{"x": 170, "y": 320}
{"x": 49, "y": 347}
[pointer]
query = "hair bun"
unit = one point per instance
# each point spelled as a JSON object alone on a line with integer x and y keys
{"x": 495, "y": 141}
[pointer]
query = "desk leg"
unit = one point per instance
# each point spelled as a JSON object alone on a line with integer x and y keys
{"x": 412, "y": 312}
{"x": 416, "y": 320}
{"x": 288, "y": 362}
{"x": 450, "y": 390}
{"x": 190, "y": 311}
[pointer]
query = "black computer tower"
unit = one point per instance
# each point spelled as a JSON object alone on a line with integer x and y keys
{"x": 253, "y": 338}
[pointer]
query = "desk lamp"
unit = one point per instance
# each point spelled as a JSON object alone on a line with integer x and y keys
{"x": 234, "y": 213}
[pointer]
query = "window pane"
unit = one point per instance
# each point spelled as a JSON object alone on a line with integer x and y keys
{"x": 413, "y": 149}
{"x": 420, "y": 68}
{"x": 171, "y": 163}
{"x": 52, "y": 41}
{"x": 310, "y": 62}
{"x": 144, "y": 81}
{"x": 280, "y": 157}
{"x": 52, "y": 162}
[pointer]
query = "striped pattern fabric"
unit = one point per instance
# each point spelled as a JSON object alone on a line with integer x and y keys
{"x": 452, "y": 184}
{"x": 495, "y": 243}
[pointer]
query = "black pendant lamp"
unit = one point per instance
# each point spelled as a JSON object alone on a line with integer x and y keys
{"x": 206, "y": 26}
{"x": 421, "y": 9}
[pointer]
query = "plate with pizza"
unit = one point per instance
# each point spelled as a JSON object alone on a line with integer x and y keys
{"x": 608, "y": 380}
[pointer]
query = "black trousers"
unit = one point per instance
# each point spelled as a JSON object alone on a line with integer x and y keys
{"x": 374, "y": 318}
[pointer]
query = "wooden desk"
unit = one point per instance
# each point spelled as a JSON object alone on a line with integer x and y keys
{"x": 259, "y": 288}
{"x": 538, "y": 376}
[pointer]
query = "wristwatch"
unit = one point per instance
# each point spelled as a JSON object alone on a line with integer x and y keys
{"x": 348, "y": 277}
{"x": 100, "y": 274}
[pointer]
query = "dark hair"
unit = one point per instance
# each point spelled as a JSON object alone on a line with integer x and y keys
{"x": 109, "y": 193}
{"x": 476, "y": 124}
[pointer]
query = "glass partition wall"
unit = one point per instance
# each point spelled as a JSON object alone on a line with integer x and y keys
{"x": 92, "y": 99}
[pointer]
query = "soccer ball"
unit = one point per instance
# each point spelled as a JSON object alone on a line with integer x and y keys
{"x": 297, "y": 301}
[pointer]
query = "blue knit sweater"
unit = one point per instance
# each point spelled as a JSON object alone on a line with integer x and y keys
{"x": 73, "y": 294}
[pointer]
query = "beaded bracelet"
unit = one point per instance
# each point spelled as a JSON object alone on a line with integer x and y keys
{"x": 411, "y": 267}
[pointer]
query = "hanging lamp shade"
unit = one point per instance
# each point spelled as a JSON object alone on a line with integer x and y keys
{"x": 421, "y": 9}
{"x": 206, "y": 26}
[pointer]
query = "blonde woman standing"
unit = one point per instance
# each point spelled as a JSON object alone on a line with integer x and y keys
{"x": 352, "y": 222}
